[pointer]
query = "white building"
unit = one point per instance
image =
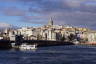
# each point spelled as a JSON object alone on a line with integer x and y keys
{"x": 12, "y": 35}
{"x": 25, "y": 31}
{"x": 92, "y": 37}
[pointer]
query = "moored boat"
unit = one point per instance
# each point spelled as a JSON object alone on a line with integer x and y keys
{"x": 27, "y": 47}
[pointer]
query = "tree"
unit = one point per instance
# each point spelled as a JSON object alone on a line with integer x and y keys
{"x": 63, "y": 38}
{"x": 39, "y": 37}
{"x": 71, "y": 37}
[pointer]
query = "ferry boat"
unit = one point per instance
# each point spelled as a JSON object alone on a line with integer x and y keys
{"x": 27, "y": 47}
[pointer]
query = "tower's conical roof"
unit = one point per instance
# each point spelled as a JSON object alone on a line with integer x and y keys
{"x": 50, "y": 22}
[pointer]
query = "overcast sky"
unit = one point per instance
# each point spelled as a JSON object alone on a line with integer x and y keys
{"x": 81, "y": 13}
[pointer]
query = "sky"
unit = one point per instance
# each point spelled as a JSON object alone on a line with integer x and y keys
{"x": 80, "y": 13}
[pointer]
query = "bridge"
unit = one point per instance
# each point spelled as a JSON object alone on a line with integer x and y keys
{"x": 7, "y": 43}
{"x": 47, "y": 42}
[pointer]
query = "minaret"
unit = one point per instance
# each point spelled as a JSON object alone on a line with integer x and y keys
{"x": 50, "y": 22}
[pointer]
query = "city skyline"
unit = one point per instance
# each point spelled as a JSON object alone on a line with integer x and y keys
{"x": 38, "y": 12}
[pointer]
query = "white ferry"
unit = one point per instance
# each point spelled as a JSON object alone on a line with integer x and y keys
{"x": 27, "y": 47}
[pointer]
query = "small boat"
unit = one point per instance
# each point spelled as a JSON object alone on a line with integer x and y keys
{"x": 13, "y": 45}
{"x": 76, "y": 42}
{"x": 27, "y": 47}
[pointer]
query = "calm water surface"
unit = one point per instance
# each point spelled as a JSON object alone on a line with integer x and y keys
{"x": 51, "y": 55}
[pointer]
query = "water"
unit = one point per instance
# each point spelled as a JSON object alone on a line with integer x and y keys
{"x": 51, "y": 55}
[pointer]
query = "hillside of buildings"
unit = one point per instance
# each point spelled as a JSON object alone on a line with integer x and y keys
{"x": 52, "y": 32}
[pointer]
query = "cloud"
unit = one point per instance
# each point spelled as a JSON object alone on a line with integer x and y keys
{"x": 78, "y": 13}
{"x": 13, "y": 11}
{"x": 4, "y": 25}
{"x": 72, "y": 12}
{"x": 34, "y": 19}
{"x": 8, "y": 0}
